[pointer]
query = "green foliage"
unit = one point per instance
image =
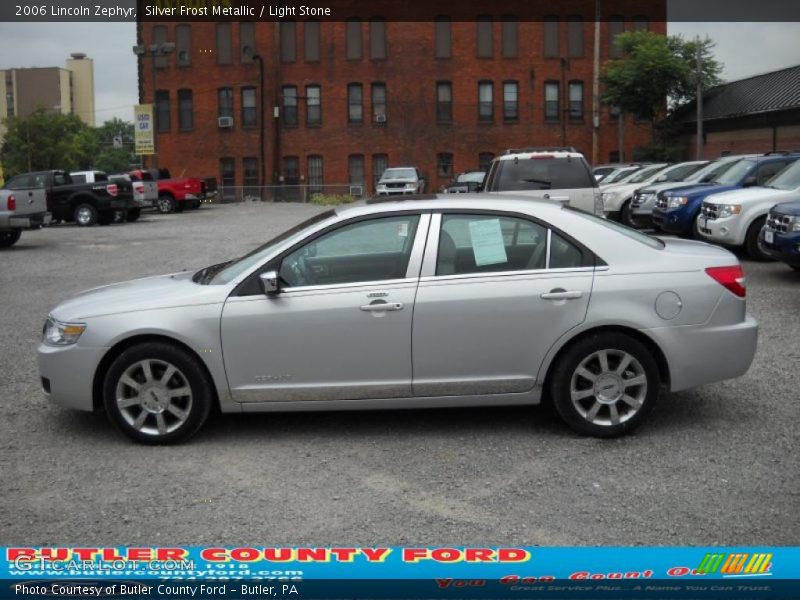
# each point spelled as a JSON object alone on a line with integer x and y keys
{"x": 331, "y": 199}
{"x": 47, "y": 140}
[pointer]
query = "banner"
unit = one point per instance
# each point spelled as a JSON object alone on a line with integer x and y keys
{"x": 391, "y": 572}
{"x": 143, "y": 135}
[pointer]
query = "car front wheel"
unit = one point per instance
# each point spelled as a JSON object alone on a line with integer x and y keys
{"x": 605, "y": 385}
{"x": 754, "y": 249}
{"x": 157, "y": 393}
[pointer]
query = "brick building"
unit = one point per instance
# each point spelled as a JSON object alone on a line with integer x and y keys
{"x": 356, "y": 96}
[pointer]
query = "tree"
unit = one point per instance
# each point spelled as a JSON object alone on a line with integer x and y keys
{"x": 656, "y": 73}
{"x": 110, "y": 157}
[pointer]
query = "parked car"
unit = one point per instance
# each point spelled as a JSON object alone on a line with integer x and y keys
{"x": 644, "y": 199}
{"x": 553, "y": 174}
{"x": 399, "y": 181}
{"x": 677, "y": 211}
{"x": 82, "y": 202}
{"x": 457, "y": 300}
{"x": 600, "y": 172}
{"x": 736, "y": 218}
{"x": 22, "y": 208}
{"x": 175, "y": 193}
{"x": 145, "y": 192}
{"x": 619, "y": 175}
{"x": 125, "y": 187}
{"x": 780, "y": 236}
{"x": 469, "y": 181}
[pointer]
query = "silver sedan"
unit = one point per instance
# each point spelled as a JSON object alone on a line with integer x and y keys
{"x": 428, "y": 302}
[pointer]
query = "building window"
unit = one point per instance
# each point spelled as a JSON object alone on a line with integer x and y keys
{"x": 576, "y": 100}
{"x": 379, "y": 102}
{"x": 289, "y": 95}
{"x": 288, "y": 35}
{"x": 510, "y": 31}
{"x": 443, "y": 37}
{"x": 247, "y": 42}
{"x": 640, "y": 23}
{"x": 551, "y": 42}
{"x": 575, "y": 37}
{"x": 444, "y": 101}
{"x": 315, "y": 180}
{"x": 355, "y": 169}
{"x": 353, "y": 39}
{"x": 551, "y": 101}
{"x": 485, "y": 160}
{"x": 311, "y": 41}
{"x": 510, "y": 101}
{"x": 355, "y": 103}
{"x": 377, "y": 38}
{"x": 250, "y": 170}
{"x": 249, "y": 110}
{"x": 616, "y": 25}
{"x": 227, "y": 170}
{"x": 160, "y": 37}
{"x": 485, "y": 101}
{"x": 313, "y": 105}
{"x": 185, "y": 110}
{"x": 444, "y": 164}
{"x": 162, "y": 110}
{"x": 183, "y": 45}
{"x": 380, "y": 162}
{"x": 291, "y": 170}
{"x": 225, "y": 102}
{"x": 485, "y": 40}
{"x": 224, "y": 44}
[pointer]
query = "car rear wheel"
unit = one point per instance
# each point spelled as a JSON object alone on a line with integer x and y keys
{"x": 166, "y": 204}
{"x": 605, "y": 385}
{"x": 751, "y": 241}
{"x": 157, "y": 393}
{"x": 9, "y": 238}
{"x": 85, "y": 215}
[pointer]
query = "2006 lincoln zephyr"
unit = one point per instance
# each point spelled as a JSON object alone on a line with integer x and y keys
{"x": 424, "y": 303}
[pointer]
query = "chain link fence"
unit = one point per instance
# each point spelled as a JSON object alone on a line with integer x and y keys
{"x": 318, "y": 194}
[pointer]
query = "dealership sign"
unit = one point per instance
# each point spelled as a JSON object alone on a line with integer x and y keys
{"x": 143, "y": 135}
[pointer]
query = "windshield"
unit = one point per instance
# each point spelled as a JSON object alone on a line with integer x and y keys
{"x": 711, "y": 171}
{"x": 736, "y": 173}
{"x": 476, "y": 176}
{"x": 645, "y": 174}
{"x": 634, "y": 234}
{"x": 619, "y": 175}
{"x": 680, "y": 172}
{"x": 787, "y": 179}
{"x": 236, "y": 267}
{"x": 399, "y": 174}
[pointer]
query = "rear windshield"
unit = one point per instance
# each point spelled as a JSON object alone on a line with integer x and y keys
{"x": 540, "y": 174}
{"x": 146, "y": 176}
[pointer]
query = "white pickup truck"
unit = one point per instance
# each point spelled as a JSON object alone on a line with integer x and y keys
{"x": 21, "y": 208}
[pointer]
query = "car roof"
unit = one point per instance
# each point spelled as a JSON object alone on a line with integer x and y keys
{"x": 529, "y": 154}
{"x": 470, "y": 201}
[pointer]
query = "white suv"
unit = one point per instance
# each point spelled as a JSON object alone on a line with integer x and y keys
{"x": 553, "y": 174}
{"x": 735, "y": 218}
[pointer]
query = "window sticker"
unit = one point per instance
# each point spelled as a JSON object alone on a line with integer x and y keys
{"x": 487, "y": 242}
{"x": 402, "y": 230}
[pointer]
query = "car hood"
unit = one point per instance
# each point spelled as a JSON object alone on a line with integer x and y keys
{"x": 701, "y": 190}
{"x": 149, "y": 293}
{"x": 788, "y": 208}
{"x": 751, "y": 194}
{"x": 623, "y": 188}
{"x": 663, "y": 187}
{"x": 397, "y": 180}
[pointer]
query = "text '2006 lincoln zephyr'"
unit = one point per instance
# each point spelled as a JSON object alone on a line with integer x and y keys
{"x": 428, "y": 302}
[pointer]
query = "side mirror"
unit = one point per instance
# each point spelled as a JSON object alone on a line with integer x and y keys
{"x": 270, "y": 283}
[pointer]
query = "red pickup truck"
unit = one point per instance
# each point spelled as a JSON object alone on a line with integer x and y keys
{"x": 176, "y": 194}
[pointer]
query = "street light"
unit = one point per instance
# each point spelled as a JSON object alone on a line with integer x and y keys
{"x": 154, "y": 51}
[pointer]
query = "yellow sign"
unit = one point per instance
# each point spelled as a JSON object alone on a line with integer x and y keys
{"x": 143, "y": 136}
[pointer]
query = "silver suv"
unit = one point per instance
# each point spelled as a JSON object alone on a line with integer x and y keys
{"x": 400, "y": 181}
{"x": 554, "y": 174}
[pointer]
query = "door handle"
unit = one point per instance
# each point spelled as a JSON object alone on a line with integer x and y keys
{"x": 382, "y": 307}
{"x": 561, "y": 295}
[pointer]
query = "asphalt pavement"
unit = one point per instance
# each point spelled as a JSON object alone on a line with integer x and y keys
{"x": 719, "y": 465}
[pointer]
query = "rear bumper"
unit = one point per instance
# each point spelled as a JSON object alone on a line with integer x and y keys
{"x": 785, "y": 247}
{"x": 32, "y": 221}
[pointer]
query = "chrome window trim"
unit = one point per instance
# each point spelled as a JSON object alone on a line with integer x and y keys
{"x": 349, "y": 286}
{"x": 495, "y": 274}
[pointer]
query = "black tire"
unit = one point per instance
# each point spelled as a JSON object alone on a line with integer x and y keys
{"x": 106, "y": 217}
{"x": 85, "y": 215}
{"x": 166, "y": 204}
{"x": 9, "y": 238}
{"x": 585, "y": 353}
{"x": 751, "y": 241}
{"x": 195, "y": 406}
{"x": 134, "y": 214}
{"x": 626, "y": 216}
{"x": 180, "y": 206}
{"x": 195, "y": 204}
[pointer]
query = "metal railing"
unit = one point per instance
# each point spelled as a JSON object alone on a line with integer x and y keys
{"x": 287, "y": 193}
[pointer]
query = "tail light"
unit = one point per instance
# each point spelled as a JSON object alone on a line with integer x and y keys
{"x": 112, "y": 189}
{"x": 12, "y": 203}
{"x": 138, "y": 188}
{"x": 731, "y": 278}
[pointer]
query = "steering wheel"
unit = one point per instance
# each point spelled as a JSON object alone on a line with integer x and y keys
{"x": 297, "y": 271}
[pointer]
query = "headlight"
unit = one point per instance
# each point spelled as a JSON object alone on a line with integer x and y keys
{"x": 728, "y": 210}
{"x": 411, "y": 186}
{"x": 56, "y": 333}
{"x": 796, "y": 225}
{"x": 676, "y": 201}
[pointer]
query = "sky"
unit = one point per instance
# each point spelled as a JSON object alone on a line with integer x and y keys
{"x": 745, "y": 49}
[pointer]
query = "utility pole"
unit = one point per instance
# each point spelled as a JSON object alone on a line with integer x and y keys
{"x": 596, "y": 87}
{"x": 621, "y": 135}
{"x": 698, "y": 74}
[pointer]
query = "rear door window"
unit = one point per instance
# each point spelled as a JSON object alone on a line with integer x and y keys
{"x": 541, "y": 173}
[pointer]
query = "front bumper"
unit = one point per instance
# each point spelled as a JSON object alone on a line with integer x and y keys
{"x": 676, "y": 220}
{"x": 69, "y": 372}
{"x": 32, "y": 221}
{"x": 722, "y": 231}
{"x": 644, "y": 208}
{"x": 785, "y": 247}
